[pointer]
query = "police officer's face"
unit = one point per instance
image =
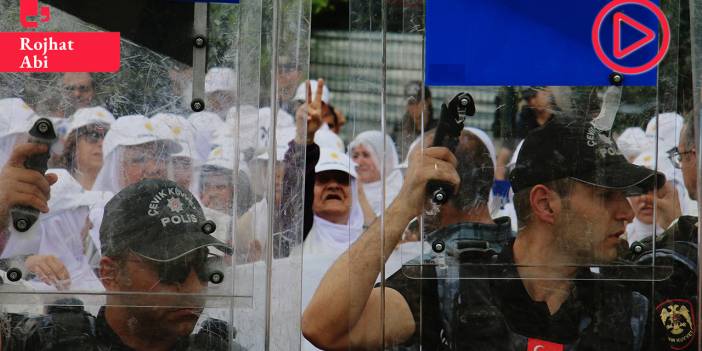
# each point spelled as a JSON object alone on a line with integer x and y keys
{"x": 590, "y": 223}
{"x": 168, "y": 315}
{"x": 143, "y": 161}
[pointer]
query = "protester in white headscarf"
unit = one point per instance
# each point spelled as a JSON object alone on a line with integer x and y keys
{"x": 61, "y": 233}
{"x": 224, "y": 194}
{"x": 632, "y": 142}
{"x": 182, "y": 166}
{"x": 82, "y": 150}
{"x": 367, "y": 152}
{"x": 135, "y": 148}
{"x": 16, "y": 118}
{"x": 220, "y": 90}
{"x": 207, "y": 125}
{"x": 338, "y": 218}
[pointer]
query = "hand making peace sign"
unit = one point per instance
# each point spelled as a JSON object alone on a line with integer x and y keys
{"x": 310, "y": 113}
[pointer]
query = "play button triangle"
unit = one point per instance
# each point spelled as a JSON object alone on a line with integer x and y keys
{"x": 649, "y": 35}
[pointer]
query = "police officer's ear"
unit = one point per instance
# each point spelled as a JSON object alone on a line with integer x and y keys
{"x": 545, "y": 203}
{"x": 109, "y": 272}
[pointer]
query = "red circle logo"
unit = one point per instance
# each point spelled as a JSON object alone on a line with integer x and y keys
{"x": 597, "y": 45}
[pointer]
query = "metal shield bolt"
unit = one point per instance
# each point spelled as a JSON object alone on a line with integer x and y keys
{"x": 43, "y": 127}
{"x": 209, "y": 227}
{"x": 199, "y": 42}
{"x": 638, "y": 248}
{"x": 197, "y": 105}
{"x": 216, "y": 277}
{"x": 438, "y": 246}
{"x": 616, "y": 79}
{"x": 21, "y": 225}
{"x": 14, "y": 274}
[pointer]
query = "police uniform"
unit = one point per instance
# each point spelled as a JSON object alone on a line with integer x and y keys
{"x": 498, "y": 314}
{"x": 163, "y": 224}
{"x": 71, "y": 328}
{"x": 675, "y": 298}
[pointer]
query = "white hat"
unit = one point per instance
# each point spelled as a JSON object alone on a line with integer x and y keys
{"x": 632, "y": 142}
{"x": 301, "y": 92}
{"x": 333, "y": 160}
{"x": 283, "y": 138}
{"x": 183, "y": 132}
{"x": 647, "y": 159}
{"x": 136, "y": 130}
{"x": 16, "y": 117}
{"x": 324, "y": 137}
{"x": 669, "y": 126}
{"x": 223, "y": 157}
{"x": 220, "y": 78}
{"x": 206, "y": 123}
{"x": 248, "y": 127}
{"x": 89, "y": 115}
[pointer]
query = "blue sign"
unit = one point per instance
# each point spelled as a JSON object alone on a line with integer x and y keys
{"x": 538, "y": 42}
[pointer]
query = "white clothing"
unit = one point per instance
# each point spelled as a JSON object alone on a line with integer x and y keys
{"x": 637, "y": 230}
{"x": 373, "y": 140}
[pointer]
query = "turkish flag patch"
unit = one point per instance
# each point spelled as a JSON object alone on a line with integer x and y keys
{"x": 541, "y": 345}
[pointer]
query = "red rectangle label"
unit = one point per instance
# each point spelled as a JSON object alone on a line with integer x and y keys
{"x": 541, "y": 345}
{"x": 60, "y": 52}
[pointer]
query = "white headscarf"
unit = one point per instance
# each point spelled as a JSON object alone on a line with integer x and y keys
{"x": 127, "y": 131}
{"x": 373, "y": 140}
{"x": 632, "y": 142}
{"x": 16, "y": 119}
{"x": 206, "y": 124}
{"x": 326, "y": 237}
{"x": 192, "y": 147}
{"x": 58, "y": 233}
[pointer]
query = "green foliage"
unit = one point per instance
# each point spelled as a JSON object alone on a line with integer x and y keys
{"x": 319, "y": 6}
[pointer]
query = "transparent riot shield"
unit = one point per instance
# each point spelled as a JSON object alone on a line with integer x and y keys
{"x": 178, "y": 199}
{"x": 696, "y": 118}
{"x": 559, "y": 228}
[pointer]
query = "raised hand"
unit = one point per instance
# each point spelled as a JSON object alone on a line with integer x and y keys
{"x": 310, "y": 114}
{"x": 21, "y": 186}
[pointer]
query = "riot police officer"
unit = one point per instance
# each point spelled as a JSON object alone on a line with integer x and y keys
{"x": 570, "y": 184}
{"x": 155, "y": 244}
{"x": 675, "y": 298}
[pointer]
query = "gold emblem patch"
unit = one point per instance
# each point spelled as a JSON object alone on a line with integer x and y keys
{"x": 678, "y": 319}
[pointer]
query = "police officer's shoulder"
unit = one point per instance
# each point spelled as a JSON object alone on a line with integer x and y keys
{"x": 65, "y": 326}
{"x": 683, "y": 230}
{"x": 214, "y": 335}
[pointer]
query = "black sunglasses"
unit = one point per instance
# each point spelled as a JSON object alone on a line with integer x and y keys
{"x": 177, "y": 271}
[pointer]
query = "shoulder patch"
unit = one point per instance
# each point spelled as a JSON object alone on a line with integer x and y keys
{"x": 678, "y": 318}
